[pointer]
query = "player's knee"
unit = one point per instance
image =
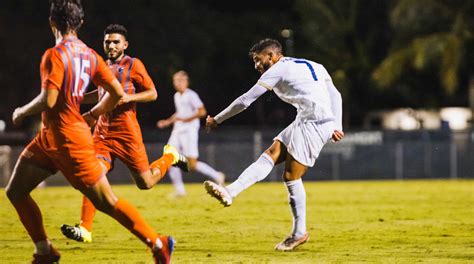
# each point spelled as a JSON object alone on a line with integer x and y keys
{"x": 14, "y": 195}
{"x": 143, "y": 185}
{"x": 105, "y": 205}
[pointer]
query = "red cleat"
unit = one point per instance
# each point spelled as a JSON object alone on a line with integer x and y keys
{"x": 163, "y": 255}
{"x": 52, "y": 257}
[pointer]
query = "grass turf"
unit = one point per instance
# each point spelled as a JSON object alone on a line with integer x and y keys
{"x": 429, "y": 221}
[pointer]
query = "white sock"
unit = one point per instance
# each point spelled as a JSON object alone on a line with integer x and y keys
{"x": 177, "y": 179}
{"x": 256, "y": 172}
{"x": 297, "y": 200}
{"x": 43, "y": 247}
{"x": 207, "y": 170}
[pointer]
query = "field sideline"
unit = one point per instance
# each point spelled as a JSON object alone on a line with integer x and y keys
{"x": 349, "y": 222}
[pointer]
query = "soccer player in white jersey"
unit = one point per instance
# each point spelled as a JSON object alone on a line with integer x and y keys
{"x": 185, "y": 134}
{"x": 309, "y": 88}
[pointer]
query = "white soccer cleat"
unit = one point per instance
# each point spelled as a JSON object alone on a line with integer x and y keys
{"x": 219, "y": 192}
{"x": 292, "y": 242}
{"x": 77, "y": 232}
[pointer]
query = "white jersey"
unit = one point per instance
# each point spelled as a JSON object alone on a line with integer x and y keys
{"x": 187, "y": 105}
{"x": 303, "y": 84}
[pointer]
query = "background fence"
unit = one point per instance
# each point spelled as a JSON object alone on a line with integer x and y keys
{"x": 361, "y": 155}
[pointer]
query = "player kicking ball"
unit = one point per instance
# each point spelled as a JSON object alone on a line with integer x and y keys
{"x": 309, "y": 88}
{"x": 117, "y": 133}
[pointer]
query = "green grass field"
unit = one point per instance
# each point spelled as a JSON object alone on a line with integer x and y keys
{"x": 349, "y": 222}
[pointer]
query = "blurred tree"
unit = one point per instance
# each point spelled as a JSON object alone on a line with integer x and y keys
{"x": 349, "y": 38}
{"x": 429, "y": 35}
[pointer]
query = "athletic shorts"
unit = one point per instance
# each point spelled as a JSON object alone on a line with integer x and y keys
{"x": 305, "y": 140}
{"x": 69, "y": 150}
{"x": 130, "y": 150}
{"x": 186, "y": 141}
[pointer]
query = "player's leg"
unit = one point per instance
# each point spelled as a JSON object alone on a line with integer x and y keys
{"x": 191, "y": 150}
{"x": 177, "y": 140}
{"x": 297, "y": 201}
{"x": 208, "y": 171}
{"x": 24, "y": 179}
{"x": 104, "y": 199}
{"x": 256, "y": 172}
{"x": 83, "y": 232}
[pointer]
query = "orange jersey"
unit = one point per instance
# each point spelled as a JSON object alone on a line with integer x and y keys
{"x": 117, "y": 133}
{"x": 69, "y": 67}
{"x": 65, "y": 142}
{"x": 134, "y": 78}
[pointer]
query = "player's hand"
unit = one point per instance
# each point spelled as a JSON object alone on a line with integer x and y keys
{"x": 210, "y": 123}
{"x": 162, "y": 123}
{"x": 126, "y": 98}
{"x": 18, "y": 116}
{"x": 90, "y": 120}
{"x": 337, "y": 135}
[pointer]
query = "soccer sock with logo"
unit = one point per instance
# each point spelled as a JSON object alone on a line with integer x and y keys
{"x": 32, "y": 220}
{"x": 297, "y": 200}
{"x": 163, "y": 164}
{"x": 257, "y": 171}
{"x": 127, "y": 215}
{"x": 208, "y": 171}
{"x": 87, "y": 213}
{"x": 177, "y": 180}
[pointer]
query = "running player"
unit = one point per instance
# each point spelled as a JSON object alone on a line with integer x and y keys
{"x": 184, "y": 136}
{"x": 117, "y": 134}
{"x": 309, "y": 88}
{"x": 65, "y": 142}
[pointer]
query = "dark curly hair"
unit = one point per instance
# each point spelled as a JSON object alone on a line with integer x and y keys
{"x": 67, "y": 15}
{"x": 115, "y": 28}
{"x": 263, "y": 44}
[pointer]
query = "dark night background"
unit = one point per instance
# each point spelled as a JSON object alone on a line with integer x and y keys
{"x": 427, "y": 47}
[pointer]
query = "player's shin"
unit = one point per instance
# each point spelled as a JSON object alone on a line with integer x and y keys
{"x": 127, "y": 215}
{"x": 297, "y": 201}
{"x": 256, "y": 172}
{"x": 31, "y": 218}
{"x": 87, "y": 213}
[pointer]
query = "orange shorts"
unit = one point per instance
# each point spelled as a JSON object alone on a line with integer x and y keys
{"x": 130, "y": 150}
{"x": 69, "y": 150}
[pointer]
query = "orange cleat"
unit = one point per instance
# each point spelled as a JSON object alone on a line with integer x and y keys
{"x": 52, "y": 257}
{"x": 163, "y": 255}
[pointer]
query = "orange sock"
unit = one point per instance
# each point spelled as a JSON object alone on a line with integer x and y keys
{"x": 87, "y": 213}
{"x": 163, "y": 163}
{"x": 127, "y": 215}
{"x": 31, "y": 218}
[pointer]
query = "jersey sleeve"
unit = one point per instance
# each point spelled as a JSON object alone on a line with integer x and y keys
{"x": 103, "y": 75}
{"x": 272, "y": 76}
{"x": 196, "y": 101}
{"x": 140, "y": 77}
{"x": 52, "y": 70}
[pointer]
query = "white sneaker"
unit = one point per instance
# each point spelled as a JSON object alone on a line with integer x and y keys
{"x": 291, "y": 242}
{"x": 219, "y": 192}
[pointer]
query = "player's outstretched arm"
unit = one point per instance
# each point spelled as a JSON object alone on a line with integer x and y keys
{"x": 163, "y": 123}
{"x": 45, "y": 100}
{"x": 240, "y": 104}
{"x": 141, "y": 97}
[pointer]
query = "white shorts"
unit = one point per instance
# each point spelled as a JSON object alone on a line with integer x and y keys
{"x": 186, "y": 141}
{"x": 305, "y": 140}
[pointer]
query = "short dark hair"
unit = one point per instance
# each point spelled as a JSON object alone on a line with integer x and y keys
{"x": 263, "y": 44}
{"x": 67, "y": 15}
{"x": 115, "y": 28}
